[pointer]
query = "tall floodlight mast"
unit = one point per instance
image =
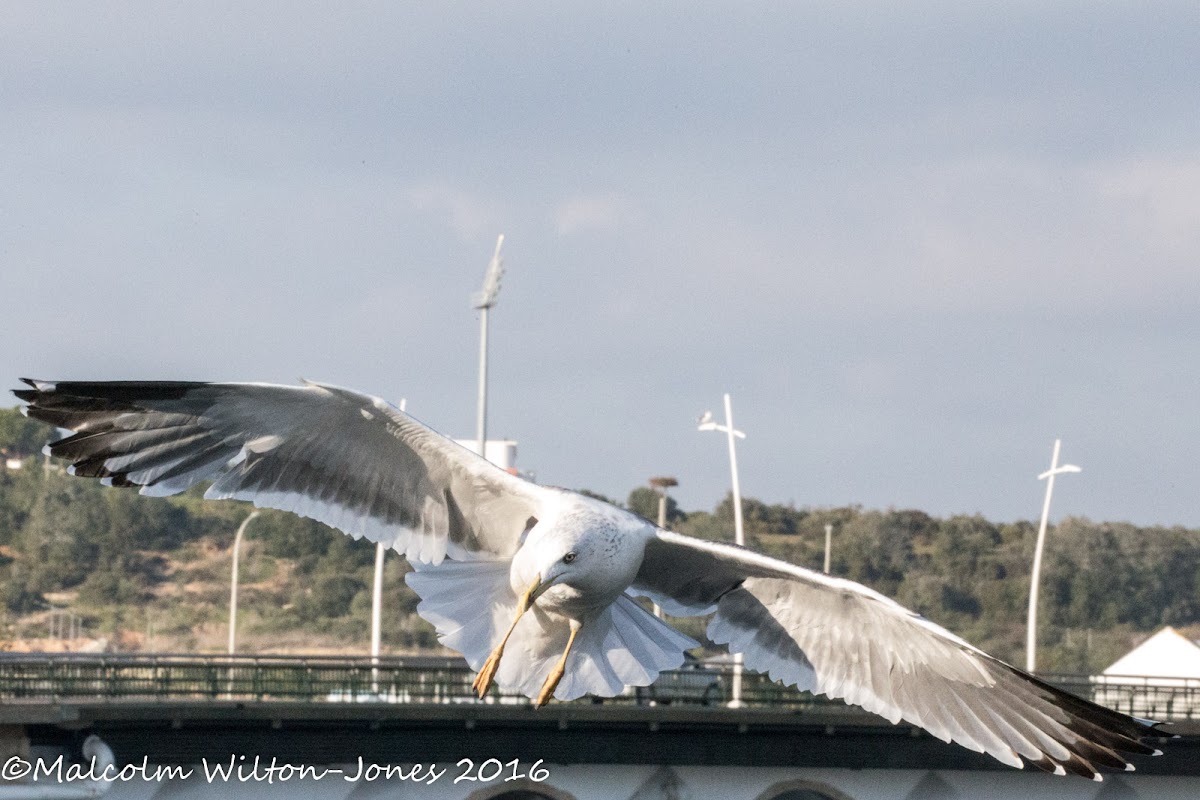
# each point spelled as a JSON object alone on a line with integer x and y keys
{"x": 483, "y": 300}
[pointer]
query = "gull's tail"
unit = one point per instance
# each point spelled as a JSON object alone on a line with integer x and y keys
{"x": 471, "y": 605}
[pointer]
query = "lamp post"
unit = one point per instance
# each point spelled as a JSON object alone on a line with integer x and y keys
{"x": 707, "y": 423}
{"x": 828, "y": 543}
{"x": 483, "y": 300}
{"x": 1031, "y": 625}
{"x": 661, "y": 485}
{"x": 377, "y": 602}
{"x": 233, "y": 581}
{"x": 377, "y": 610}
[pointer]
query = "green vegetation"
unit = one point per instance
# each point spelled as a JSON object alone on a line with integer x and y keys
{"x": 1104, "y": 585}
{"x": 153, "y": 573}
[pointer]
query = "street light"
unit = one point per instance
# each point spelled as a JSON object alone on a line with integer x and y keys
{"x": 377, "y": 601}
{"x": 483, "y": 300}
{"x": 233, "y": 582}
{"x": 828, "y": 543}
{"x": 1031, "y": 625}
{"x": 707, "y": 423}
{"x": 661, "y": 485}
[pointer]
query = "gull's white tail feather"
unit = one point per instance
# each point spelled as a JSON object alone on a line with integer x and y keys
{"x": 623, "y": 645}
{"x": 468, "y": 602}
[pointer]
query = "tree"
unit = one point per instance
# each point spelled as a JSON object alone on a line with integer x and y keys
{"x": 330, "y": 596}
{"x": 19, "y": 491}
{"x": 58, "y": 542}
{"x": 17, "y": 594}
{"x": 643, "y": 501}
{"x": 877, "y": 548}
{"x": 761, "y": 519}
{"x": 20, "y": 435}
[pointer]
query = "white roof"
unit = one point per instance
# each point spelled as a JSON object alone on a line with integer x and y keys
{"x": 1166, "y": 654}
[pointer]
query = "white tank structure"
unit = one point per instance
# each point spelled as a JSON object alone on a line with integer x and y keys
{"x": 501, "y": 452}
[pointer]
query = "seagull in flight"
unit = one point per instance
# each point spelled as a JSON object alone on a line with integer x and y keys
{"x": 537, "y": 587}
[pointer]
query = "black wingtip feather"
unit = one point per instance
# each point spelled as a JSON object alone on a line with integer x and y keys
{"x": 28, "y": 395}
{"x": 115, "y": 391}
{"x": 1098, "y": 715}
{"x": 89, "y": 408}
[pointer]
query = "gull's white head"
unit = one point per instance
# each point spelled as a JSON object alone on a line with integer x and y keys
{"x": 554, "y": 552}
{"x": 587, "y": 551}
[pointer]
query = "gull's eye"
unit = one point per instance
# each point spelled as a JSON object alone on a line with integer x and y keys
{"x": 568, "y": 558}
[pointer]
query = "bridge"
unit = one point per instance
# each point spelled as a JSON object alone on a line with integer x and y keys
{"x": 349, "y": 716}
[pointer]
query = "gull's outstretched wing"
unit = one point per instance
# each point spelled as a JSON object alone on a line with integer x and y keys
{"x": 347, "y": 459}
{"x": 836, "y": 637}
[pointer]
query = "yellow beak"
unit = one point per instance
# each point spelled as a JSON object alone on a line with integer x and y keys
{"x": 528, "y": 596}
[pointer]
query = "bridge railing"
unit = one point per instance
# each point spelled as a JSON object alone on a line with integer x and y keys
{"x": 425, "y": 679}
{"x": 1156, "y": 698}
{"x": 34, "y": 677}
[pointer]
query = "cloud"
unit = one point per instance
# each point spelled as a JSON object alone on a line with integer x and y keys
{"x": 1160, "y": 196}
{"x": 586, "y": 213}
{"x": 468, "y": 214}
{"x": 882, "y": 248}
{"x": 992, "y": 233}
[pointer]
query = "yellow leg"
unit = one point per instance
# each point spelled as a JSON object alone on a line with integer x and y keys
{"x": 559, "y": 670}
{"x": 484, "y": 679}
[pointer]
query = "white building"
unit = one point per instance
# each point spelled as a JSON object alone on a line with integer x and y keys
{"x": 1159, "y": 677}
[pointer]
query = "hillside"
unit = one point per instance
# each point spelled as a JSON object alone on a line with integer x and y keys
{"x": 143, "y": 573}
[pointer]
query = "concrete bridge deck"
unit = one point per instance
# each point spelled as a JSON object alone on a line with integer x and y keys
{"x": 191, "y": 710}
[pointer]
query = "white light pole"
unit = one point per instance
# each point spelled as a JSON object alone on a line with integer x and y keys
{"x": 1031, "y": 625}
{"x": 661, "y": 485}
{"x": 707, "y": 423}
{"x": 483, "y": 300}
{"x": 828, "y": 542}
{"x": 377, "y": 603}
{"x": 233, "y": 582}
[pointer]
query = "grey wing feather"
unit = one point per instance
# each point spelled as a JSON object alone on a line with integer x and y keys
{"x": 836, "y": 637}
{"x": 347, "y": 459}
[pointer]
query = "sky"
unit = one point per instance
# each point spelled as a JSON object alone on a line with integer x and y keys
{"x": 915, "y": 242}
